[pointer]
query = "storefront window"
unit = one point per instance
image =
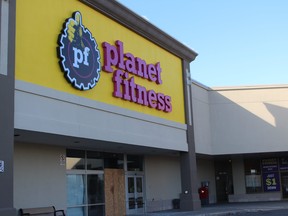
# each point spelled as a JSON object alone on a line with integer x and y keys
{"x": 77, "y": 211}
{"x": 96, "y": 210}
{"x": 75, "y": 160}
{"x": 75, "y": 189}
{"x": 76, "y": 195}
{"x": 85, "y": 179}
{"x": 95, "y": 190}
{"x": 113, "y": 161}
{"x": 85, "y": 183}
{"x": 253, "y": 176}
{"x": 95, "y": 161}
{"x": 134, "y": 163}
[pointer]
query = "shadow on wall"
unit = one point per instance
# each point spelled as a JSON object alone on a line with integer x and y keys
{"x": 244, "y": 121}
{"x": 280, "y": 114}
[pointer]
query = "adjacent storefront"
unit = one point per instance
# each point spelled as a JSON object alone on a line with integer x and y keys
{"x": 240, "y": 136}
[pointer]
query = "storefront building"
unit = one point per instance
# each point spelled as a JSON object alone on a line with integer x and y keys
{"x": 241, "y": 142}
{"x": 99, "y": 116}
{"x": 96, "y": 111}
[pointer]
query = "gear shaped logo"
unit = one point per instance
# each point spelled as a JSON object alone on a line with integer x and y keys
{"x": 79, "y": 54}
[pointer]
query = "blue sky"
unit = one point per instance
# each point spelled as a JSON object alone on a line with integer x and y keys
{"x": 239, "y": 42}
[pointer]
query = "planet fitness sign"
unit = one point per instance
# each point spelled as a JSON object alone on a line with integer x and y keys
{"x": 79, "y": 54}
{"x": 124, "y": 86}
{"x": 80, "y": 61}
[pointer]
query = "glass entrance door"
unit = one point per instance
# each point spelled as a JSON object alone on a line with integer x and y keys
{"x": 224, "y": 180}
{"x": 284, "y": 183}
{"x": 135, "y": 198}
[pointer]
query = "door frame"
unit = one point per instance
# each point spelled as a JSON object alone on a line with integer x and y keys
{"x": 223, "y": 179}
{"x": 135, "y": 175}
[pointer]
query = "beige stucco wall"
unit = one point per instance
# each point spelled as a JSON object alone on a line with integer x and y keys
{"x": 206, "y": 172}
{"x": 163, "y": 181}
{"x": 238, "y": 175}
{"x": 39, "y": 177}
{"x": 240, "y": 120}
{"x": 201, "y": 119}
{"x": 249, "y": 120}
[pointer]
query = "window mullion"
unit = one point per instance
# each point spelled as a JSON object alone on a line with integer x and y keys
{"x": 86, "y": 185}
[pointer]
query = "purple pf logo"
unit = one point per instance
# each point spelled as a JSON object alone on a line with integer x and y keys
{"x": 78, "y": 53}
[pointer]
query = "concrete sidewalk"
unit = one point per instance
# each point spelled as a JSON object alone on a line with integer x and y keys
{"x": 226, "y": 209}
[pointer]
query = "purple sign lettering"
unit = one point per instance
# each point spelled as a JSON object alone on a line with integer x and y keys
{"x": 121, "y": 65}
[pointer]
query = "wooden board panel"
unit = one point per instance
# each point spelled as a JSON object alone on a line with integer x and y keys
{"x": 114, "y": 192}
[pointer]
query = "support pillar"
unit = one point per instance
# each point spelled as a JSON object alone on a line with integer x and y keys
{"x": 189, "y": 198}
{"x": 7, "y": 56}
